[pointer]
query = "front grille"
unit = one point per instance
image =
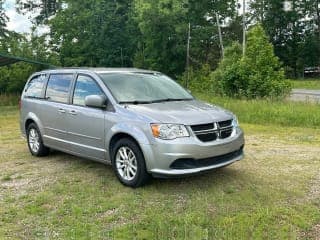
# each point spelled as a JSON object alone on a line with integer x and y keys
{"x": 212, "y": 131}
{"x": 225, "y": 133}
{"x": 224, "y": 124}
{"x": 202, "y": 127}
{"x": 189, "y": 163}
{"x": 208, "y": 137}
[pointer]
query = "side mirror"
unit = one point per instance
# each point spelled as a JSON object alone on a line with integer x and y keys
{"x": 96, "y": 101}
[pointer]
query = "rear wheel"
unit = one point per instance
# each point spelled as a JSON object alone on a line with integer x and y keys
{"x": 35, "y": 142}
{"x": 129, "y": 164}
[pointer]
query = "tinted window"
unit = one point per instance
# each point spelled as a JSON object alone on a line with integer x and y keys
{"x": 58, "y": 87}
{"x": 85, "y": 86}
{"x": 35, "y": 86}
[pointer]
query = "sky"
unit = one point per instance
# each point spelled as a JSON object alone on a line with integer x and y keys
{"x": 17, "y": 22}
{"x": 20, "y": 23}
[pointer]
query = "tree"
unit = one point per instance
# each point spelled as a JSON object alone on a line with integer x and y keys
{"x": 294, "y": 33}
{"x": 144, "y": 33}
{"x": 205, "y": 47}
{"x": 3, "y": 23}
{"x": 94, "y": 33}
{"x": 256, "y": 75}
{"x": 14, "y": 76}
{"x": 46, "y": 8}
{"x": 163, "y": 33}
{"x": 164, "y": 27}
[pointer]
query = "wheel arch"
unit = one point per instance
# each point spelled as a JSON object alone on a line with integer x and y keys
{"x": 116, "y": 137}
{"x": 141, "y": 175}
{"x": 28, "y": 122}
{"x": 32, "y": 118}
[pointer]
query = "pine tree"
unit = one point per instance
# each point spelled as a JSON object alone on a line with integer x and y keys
{"x": 258, "y": 74}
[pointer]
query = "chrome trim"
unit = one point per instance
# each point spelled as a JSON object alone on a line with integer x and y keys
{"x": 205, "y": 132}
{"x": 73, "y": 143}
{"x": 223, "y": 128}
{"x": 54, "y": 129}
{"x": 216, "y": 129}
{"x": 86, "y": 136}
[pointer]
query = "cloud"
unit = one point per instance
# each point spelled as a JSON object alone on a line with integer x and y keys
{"x": 8, "y": 4}
{"x": 20, "y": 23}
{"x": 17, "y": 22}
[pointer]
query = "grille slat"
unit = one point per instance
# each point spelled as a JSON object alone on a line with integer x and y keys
{"x": 207, "y": 137}
{"x": 224, "y": 124}
{"x": 212, "y": 131}
{"x": 202, "y": 127}
{"x": 225, "y": 133}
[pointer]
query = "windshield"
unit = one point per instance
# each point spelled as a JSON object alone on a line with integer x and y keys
{"x": 139, "y": 88}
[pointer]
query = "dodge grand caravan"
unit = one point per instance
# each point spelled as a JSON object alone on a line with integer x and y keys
{"x": 140, "y": 121}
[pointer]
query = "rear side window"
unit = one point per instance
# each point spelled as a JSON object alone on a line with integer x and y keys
{"x": 58, "y": 87}
{"x": 85, "y": 86}
{"x": 35, "y": 86}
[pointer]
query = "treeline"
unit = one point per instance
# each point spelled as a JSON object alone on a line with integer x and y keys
{"x": 152, "y": 34}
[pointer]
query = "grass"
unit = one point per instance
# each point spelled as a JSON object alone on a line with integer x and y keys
{"x": 306, "y": 83}
{"x": 272, "y": 194}
{"x": 267, "y": 112}
{"x": 6, "y": 178}
{"x": 9, "y": 99}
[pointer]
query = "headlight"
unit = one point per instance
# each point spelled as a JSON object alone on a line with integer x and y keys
{"x": 169, "y": 131}
{"x": 235, "y": 122}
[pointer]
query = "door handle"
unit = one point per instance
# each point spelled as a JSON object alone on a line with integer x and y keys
{"x": 61, "y": 110}
{"x": 73, "y": 112}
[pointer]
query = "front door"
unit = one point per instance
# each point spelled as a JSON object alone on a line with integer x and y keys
{"x": 86, "y": 125}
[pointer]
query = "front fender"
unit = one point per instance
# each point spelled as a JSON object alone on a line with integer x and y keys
{"x": 131, "y": 130}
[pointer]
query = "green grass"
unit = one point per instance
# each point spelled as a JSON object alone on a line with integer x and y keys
{"x": 9, "y": 99}
{"x": 280, "y": 113}
{"x": 306, "y": 84}
{"x": 272, "y": 194}
{"x": 6, "y": 178}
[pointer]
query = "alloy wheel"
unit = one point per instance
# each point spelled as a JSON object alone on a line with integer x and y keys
{"x": 126, "y": 163}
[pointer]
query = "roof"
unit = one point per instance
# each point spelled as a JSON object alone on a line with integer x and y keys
{"x": 7, "y": 60}
{"x": 100, "y": 70}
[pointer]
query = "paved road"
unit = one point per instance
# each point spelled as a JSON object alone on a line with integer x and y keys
{"x": 305, "y": 95}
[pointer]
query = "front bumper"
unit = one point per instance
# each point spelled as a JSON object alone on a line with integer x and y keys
{"x": 161, "y": 158}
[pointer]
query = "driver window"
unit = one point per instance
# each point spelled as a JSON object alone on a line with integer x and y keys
{"x": 85, "y": 86}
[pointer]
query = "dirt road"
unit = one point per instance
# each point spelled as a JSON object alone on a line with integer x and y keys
{"x": 305, "y": 95}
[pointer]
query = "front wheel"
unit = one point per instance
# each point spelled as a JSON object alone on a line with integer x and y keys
{"x": 129, "y": 164}
{"x": 35, "y": 143}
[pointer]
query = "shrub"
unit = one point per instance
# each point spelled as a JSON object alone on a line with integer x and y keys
{"x": 199, "y": 80}
{"x": 256, "y": 75}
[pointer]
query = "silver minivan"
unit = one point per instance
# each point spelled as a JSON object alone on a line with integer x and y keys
{"x": 140, "y": 121}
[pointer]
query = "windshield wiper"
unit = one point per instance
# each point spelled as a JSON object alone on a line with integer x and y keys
{"x": 172, "y": 100}
{"x": 135, "y": 102}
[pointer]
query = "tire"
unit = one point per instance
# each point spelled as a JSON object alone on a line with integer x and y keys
{"x": 129, "y": 164}
{"x": 35, "y": 143}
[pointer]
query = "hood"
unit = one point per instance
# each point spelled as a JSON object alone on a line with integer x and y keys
{"x": 182, "y": 112}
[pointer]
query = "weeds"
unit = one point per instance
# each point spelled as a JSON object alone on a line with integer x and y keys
{"x": 280, "y": 113}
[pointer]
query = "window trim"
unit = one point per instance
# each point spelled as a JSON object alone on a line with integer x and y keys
{"x": 68, "y": 96}
{"x": 42, "y": 97}
{"x": 74, "y": 87}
